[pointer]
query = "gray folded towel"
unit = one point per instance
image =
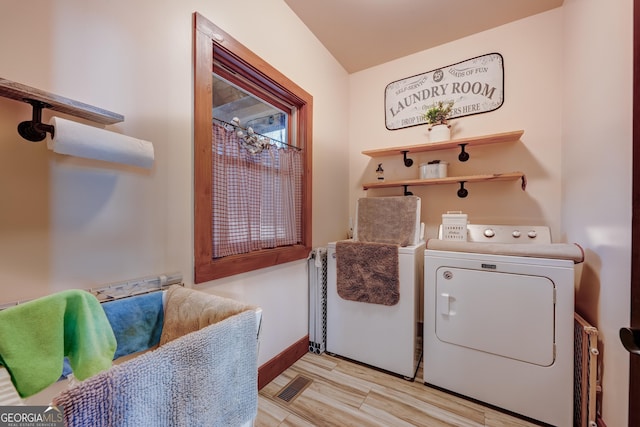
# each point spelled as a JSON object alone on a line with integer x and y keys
{"x": 390, "y": 220}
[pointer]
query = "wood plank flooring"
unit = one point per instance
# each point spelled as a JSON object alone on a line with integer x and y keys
{"x": 344, "y": 393}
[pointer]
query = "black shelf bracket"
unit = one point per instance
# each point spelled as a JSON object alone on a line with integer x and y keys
{"x": 462, "y": 192}
{"x": 407, "y": 162}
{"x": 34, "y": 130}
{"x": 463, "y": 156}
{"x": 407, "y": 192}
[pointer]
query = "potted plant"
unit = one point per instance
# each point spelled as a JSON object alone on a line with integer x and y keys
{"x": 437, "y": 117}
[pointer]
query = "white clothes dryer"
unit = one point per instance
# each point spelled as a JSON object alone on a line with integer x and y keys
{"x": 499, "y": 320}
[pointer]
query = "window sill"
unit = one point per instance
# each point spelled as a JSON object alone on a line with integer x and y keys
{"x": 236, "y": 264}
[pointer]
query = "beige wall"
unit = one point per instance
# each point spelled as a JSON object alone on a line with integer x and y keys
{"x": 596, "y": 200}
{"x": 568, "y": 85}
{"x": 533, "y": 79}
{"x": 68, "y": 222}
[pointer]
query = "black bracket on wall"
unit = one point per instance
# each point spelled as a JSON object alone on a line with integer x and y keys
{"x": 407, "y": 162}
{"x": 463, "y": 156}
{"x": 462, "y": 192}
{"x": 34, "y": 130}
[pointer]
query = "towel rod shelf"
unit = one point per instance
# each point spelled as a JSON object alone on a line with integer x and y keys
{"x": 125, "y": 289}
{"x": 20, "y": 92}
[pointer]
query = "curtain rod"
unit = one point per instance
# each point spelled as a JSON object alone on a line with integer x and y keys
{"x": 237, "y": 126}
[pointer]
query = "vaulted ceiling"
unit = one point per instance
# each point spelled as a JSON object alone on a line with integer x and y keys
{"x": 363, "y": 33}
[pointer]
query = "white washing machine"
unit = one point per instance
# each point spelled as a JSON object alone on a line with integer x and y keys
{"x": 499, "y": 319}
{"x": 378, "y": 335}
{"x": 382, "y": 336}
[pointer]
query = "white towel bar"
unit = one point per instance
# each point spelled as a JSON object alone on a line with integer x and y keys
{"x": 126, "y": 289}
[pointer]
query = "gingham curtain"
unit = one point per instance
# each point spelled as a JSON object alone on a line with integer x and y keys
{"x": 257, "y": 198}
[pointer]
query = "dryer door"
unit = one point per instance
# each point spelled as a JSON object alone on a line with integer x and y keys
{"x": 505, "y": 314}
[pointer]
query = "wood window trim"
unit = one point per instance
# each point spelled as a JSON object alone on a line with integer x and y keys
{"x": 208, "y": 36}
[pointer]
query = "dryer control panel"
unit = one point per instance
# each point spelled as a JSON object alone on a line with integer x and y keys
{"x": 518, "y": 234}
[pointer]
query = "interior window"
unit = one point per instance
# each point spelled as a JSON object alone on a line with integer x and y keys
{"x": 252, "y": 164}
{"x": 232, "y": 102}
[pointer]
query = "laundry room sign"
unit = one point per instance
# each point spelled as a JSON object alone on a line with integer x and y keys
{"x": 475, "y": 86}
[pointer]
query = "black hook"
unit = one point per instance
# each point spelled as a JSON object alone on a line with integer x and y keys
{"x": 462, "y": 192}
{"x": 463, "y": 156}
{"x": 407, "y": 162}
{"x": 406, "y": 192}
{"x": 34, "y": 130}
{"x": 630, "y": 338}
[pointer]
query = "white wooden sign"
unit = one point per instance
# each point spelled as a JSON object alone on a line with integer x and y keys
{"x": 475, "y": 85}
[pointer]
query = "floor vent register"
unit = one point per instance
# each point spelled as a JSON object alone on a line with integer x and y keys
{"x": 295, "y": 387}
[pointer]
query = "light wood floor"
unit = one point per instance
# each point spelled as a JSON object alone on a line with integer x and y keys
{"x": 343, "y": 393}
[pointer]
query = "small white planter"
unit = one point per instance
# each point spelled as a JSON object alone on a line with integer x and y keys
{"x": 439, "y": 133}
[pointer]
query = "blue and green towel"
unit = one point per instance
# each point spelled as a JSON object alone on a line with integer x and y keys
{"x": 36, "y": 336}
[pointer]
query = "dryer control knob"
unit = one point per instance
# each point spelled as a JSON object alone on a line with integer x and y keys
{"x": 489, "y": 233}
{"x": 532, "y": 234}
{"x": 516, "y": 233}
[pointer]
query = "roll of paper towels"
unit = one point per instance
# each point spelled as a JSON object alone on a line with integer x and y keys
{"x": 76, "y": 139}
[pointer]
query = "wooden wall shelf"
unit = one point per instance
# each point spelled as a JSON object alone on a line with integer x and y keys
{"x": 20, "y": 92}
{"x": 510, "y": 176}
{"x": 453, "y": 143}
{"x": 463, "y": 157}
{"x": 461, "y": 180}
